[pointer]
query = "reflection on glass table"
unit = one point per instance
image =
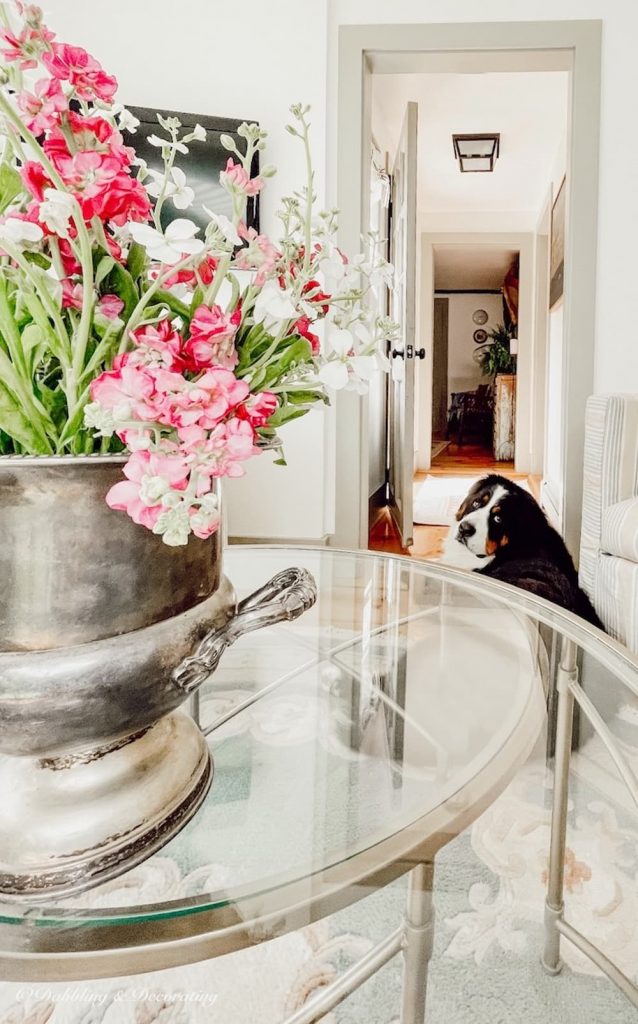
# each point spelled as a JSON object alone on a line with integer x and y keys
{"x": 349, "y": 747}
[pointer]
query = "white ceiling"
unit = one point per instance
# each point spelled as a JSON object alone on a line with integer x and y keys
{"x": 475, "y": 267}
{"x": 529, "y": 109}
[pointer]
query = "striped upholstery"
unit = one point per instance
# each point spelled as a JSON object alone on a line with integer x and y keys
{"x": 609, "y": 540}
{"x": 620, "y": 530}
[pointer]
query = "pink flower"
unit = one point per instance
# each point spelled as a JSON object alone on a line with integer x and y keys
{"x": 238, "y": 181}
{"x": 258, "y": 408}
{"x": 192, "y": 276}
{"x": 110, "y": 306}
{"x": 129, "y": 390}
{"x": 93, "y": 134}
{"x": 260, "y": 254}
{"x": 43, "y": 106}
{"x": 26, "y": 48}
{"x": 204, "y": 402}
{"x": 302, "y": 328}
{"x": 211, "y": 341}
{"x": 73, "y": 64}
{"x": 157, "y": 345}
{"x": 149, "y": 477}
{"x": 123, "y": 199}
{"x": 72, "y": 294}
{"x": 35, "y": 180}
{"x": 219, "y": 453}
{"x": 229, "y": 444}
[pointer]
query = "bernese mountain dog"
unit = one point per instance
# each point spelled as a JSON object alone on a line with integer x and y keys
{"x": 506, "y": 535}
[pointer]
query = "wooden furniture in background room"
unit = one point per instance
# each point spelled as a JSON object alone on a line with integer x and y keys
{"x": 504, "y": 417}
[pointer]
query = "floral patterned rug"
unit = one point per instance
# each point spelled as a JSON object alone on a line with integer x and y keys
{"x": 489, "y": 892}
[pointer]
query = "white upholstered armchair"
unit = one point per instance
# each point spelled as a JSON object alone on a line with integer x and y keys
{"x": 609, "y": 541}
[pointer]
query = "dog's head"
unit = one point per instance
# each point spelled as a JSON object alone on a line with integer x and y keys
{"x": 495, "y": 513}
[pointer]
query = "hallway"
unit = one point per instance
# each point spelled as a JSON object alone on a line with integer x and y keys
{"x": 466, "y": 460}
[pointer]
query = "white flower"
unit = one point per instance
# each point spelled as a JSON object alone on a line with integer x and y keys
{"x": 344, "y": 368}
{"x": 173, "y": 525}
{"x": 101, "y": 419}
{"x": 176, "y": 188}
{"x": 127, "y": 121}
{"x": 199, "y": 133}
{"x": 273, "y": 304}
{"x": 155, "y": 140}
{"x": 20, "y": 232}
{"x": 153, "y": 488}
{"x": 171, "y": 245}
{"x": 56, "y": 211}
{"x": 224, "y": 226}
{"x": 208, "y": 515}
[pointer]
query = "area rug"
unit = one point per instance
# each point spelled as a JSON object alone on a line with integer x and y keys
{"x": 438, "y": 447}
{"x": 437, "y": 498}
{"x": 488, "y": 893}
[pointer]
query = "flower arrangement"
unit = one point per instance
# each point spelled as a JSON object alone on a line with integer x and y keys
{"x": 186, "y": 351}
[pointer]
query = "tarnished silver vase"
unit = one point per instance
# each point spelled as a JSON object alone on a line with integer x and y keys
{"x": 104, "y": 633}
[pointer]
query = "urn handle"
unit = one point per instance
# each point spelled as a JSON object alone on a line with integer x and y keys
{"x": 285, "y": 597}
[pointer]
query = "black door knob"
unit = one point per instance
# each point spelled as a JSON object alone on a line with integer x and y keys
{"x": 398, "y": 353}
{"x": 420, "y": 353}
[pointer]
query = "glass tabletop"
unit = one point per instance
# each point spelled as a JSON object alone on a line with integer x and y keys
{"x": 388, "y": 716}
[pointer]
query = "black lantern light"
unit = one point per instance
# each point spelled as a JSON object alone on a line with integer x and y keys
{"x": 477, "y": 152}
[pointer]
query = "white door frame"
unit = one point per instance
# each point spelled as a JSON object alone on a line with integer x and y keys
{"x": 526, "y": 410}
{"x": 578, "y": 43}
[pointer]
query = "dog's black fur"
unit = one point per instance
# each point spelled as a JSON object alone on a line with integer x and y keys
{"x": 527, "y": 551}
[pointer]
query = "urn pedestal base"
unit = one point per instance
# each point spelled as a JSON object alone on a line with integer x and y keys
{"x": 72, "y": 821}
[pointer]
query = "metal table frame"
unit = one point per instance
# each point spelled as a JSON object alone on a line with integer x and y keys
{"x": 144, "y": 946}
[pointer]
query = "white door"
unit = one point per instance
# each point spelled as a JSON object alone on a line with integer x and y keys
{"x": 403, "y": 234}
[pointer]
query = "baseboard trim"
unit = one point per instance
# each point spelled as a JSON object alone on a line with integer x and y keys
{"x": 293, "y": 542}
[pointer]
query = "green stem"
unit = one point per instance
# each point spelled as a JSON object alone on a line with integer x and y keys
{"x": 211, "y": 292}
{"x": 41, "y": 292}
{"x": 135, "y": 316}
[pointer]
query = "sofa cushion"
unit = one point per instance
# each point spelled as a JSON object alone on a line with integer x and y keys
{"x": 616, "y": 598}
{"x": 619, "y": 534}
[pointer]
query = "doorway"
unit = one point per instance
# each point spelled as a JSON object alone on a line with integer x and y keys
{"x": 571, "y": 47}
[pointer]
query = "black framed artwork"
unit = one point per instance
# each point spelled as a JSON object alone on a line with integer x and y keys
{"x": 557, "y": 247}
{"x": 201, "y": 164}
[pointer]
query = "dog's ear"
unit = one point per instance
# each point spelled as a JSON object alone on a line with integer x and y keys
{"x": 465, "y": 505}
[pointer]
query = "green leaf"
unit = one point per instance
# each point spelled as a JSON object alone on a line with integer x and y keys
{"x": 14, "y": 423}
{"x": 297, "y": 353}
{"x": 31, "y": 337}
{"x": 285, "y": 414}
{"x": 119, "y": 282}
{"x": 196, "y": 301}
{"x": 10, "y": 186}
{"x": 174, "y": 304}
{"x": 38, "y": 258}
{"x": 103, "y": 268}
{"x": 136, "y": 262}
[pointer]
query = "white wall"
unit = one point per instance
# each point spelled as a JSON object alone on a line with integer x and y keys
{"x": 464, "y": 373}
{"x": 253, "y": 59}
{"x": 248, "y": 60}
{"x": 616, "y": 355}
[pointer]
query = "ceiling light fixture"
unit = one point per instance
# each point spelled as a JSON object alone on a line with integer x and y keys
{"x": 477, "y": 152}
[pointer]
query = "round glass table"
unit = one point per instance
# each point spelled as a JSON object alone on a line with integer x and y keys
{"x": 349, "y": 747}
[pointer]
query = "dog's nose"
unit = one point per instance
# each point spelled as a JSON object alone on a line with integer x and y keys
{"x": 465, "y": 530}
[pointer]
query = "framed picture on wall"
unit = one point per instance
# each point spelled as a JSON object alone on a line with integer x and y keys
{"x": 557, "y": 247}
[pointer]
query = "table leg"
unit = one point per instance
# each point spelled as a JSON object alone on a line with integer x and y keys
{"x": 554, "y": 903}
{"x": 417, "y": 944}
{"x": 193, "y": 706}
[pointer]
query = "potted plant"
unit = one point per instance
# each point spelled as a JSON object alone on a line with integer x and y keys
{"x": 138, "y": 367}
{"x": 494, "y": 356}
{"x": 499, "y": 364}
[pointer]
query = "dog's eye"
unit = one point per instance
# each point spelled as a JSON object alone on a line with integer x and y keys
{"x": 476, "y": 503}
{"x": 497, "y": 519}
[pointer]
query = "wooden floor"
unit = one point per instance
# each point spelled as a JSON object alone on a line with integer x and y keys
{"x": 468, "y": 460}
